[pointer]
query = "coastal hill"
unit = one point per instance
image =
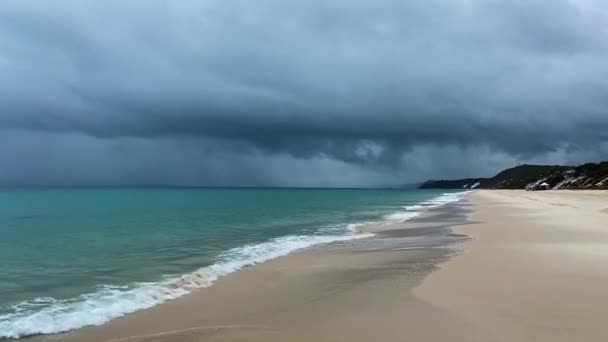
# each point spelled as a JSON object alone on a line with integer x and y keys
{"x": 534, "y": 177}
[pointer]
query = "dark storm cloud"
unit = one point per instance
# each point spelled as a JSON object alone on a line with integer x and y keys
{"x": 384, "y": 89}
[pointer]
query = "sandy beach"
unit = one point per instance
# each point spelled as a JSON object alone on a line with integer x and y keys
{"x": 534, "y": 270}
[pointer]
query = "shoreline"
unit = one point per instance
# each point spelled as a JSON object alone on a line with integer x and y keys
{"x": 496, "y": 266}
{"x": 96, "y": 308}
{"x": 258, "y": 303}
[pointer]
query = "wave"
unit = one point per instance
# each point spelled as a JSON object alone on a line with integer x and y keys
{"x": 412, "y": 211}
{"x": 445, "y": 198}
{"x": 109, "y": 302}
{"x": 401, "y": 216}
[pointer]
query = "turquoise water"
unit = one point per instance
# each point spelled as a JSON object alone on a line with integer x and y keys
{"x": 115, "y": 251}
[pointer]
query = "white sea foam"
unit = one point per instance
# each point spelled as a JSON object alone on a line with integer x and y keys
{"x": 114, "y": 301}
{"x": 401, "y": 216}
{"x": 415, "y": 207}
{"x": 412, "y": 211}
{"x": 354, "y": 228}
{"x": 445, "y": 198}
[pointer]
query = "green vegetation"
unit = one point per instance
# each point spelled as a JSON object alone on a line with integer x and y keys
{"x": 535, "y": 177}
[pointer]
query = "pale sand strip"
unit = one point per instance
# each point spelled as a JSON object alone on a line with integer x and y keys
{"x": 537, "y": 269}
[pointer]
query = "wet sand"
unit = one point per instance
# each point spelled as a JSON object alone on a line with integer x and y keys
{"x": 359, "y": 290}
{"x": 536, "y": 269}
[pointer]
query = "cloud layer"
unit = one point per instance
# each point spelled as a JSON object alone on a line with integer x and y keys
{"x": 323, "y": 93}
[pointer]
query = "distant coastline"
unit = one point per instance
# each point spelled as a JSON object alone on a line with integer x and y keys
{"x": 590, "y": 176}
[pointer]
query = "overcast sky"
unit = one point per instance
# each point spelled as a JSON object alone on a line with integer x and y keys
{"x": 297, "y": 93}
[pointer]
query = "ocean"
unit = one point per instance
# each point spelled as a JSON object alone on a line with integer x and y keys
{"x": 77, "y": 257}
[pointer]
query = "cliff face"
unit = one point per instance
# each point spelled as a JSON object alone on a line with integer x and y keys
{"x": 535, "y": 177}
{"x": 586, "y": 176}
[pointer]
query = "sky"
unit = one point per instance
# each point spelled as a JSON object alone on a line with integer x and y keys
{"x": 338, "y": 93}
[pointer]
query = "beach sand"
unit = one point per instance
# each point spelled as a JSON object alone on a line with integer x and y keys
{"x": 535, "y": 271}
